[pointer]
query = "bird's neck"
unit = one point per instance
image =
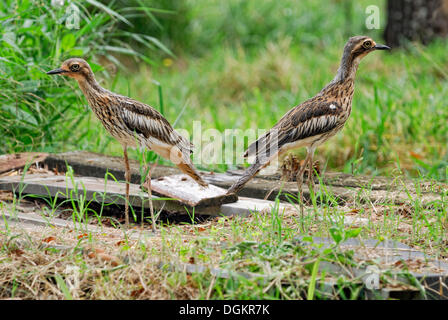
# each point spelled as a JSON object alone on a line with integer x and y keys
{"x": 347, "y": 70}
{"x": 345, "y": 76}
{"x": 90, "y": 86}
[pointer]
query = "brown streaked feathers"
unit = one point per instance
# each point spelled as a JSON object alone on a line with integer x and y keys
{"x": 315, "y": 120}
{"x": 131, "y": 122}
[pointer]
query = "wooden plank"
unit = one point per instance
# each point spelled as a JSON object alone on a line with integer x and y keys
{"x": 16, "y": 161}
{"x": 187, "y": 191}
{"x": 99, "y": 190}
{"x": 340, "y": 179}
{"x": 97, "y": 165}
{"x": 345, "y": 188}
{"x": 246, "y": 206}
{"x": 350, "y": 196}
{"x": 92, "y": 188}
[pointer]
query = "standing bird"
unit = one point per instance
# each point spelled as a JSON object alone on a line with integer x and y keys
{"x": 314, "y": 121}
{"x": 132, "y": 123}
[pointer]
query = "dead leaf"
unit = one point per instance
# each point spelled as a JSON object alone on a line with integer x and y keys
{"x": 108, "y": 258}
{"x": 17, "y": 252}
{"x": 105, "y": 257}
{"x": 399, "y": 263}
{"x": 6, "y": 195}
{"x": 49, "y": 239}
{"x": 84, "y": 235}
{"x": 416, "y": 155}
{"x": 137, "y": 292}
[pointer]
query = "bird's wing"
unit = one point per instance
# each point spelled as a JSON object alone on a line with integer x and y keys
{"x": 149, "y": 123}
{"x": 309, "y": 119}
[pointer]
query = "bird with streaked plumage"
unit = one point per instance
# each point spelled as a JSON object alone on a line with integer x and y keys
{"x": 132, "y": 123}
{"x": 314, "y": 121}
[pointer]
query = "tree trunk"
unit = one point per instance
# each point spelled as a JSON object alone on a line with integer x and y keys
{"x": 415, "y": 20}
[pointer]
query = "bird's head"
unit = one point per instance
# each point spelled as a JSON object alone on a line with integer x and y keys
{"x": 74, "y": 68}
{"x": 358, "y": 47}
{"x": 355, "y": 49}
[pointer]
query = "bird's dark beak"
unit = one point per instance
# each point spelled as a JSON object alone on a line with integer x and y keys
{"x": 56, "y": 71}
{"x": 381, "y": 47}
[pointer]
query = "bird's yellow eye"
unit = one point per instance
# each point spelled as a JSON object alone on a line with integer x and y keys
{"x": 74, "y": 67}
{"x": 367, "y": 44}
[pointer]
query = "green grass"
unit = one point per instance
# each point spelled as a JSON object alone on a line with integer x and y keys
{"x": 108, "y": 264}
{"x": 236, "y": 65}
{"x": 263, "y": 245}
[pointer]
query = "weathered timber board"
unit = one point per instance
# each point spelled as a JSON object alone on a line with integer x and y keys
{"x": 100, "y": 191}
{"x": 36, "y": 220}
{"x": 189, "y": 192}
{"x": 19, "y": 160}
{"x": 96, "y": 165}
{"x": 346, "y": 180}
{"x": 385, "y": 252}
{"x": 346, "y": 188}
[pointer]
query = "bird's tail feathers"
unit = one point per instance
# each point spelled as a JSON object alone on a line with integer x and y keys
{"x": 181, "y": 158}
{"x": 265, "y": 147}
{"x": 188, "y": 168}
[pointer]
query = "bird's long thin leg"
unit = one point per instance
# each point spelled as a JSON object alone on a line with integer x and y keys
{"x": 282, "y": 179}
{"x": 299, "y": 179}
{"x": 151, "y": 207}
{"x": 127, "y": 176}
{"x": 311, "y": 169}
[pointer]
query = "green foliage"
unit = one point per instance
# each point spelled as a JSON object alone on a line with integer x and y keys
{"x": 195, "y": 26}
